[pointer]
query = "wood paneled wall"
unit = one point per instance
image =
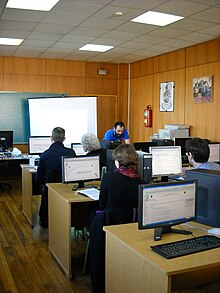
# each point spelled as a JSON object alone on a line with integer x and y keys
{"x": 180, "y": 66}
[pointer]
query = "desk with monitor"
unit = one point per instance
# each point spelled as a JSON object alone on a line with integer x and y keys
{"x": 61, "y": 200}
{"x": 131, "y": 265}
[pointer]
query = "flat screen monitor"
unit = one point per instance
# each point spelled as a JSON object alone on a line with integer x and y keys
{"x": 164, "y": 205}
{"x": 6, "y": 139}
{"x": 109, "y": 144}
{"x": 181, "y": 141}
{"x": 38, "y": 144}
{"x": 166, "y": 161}
{"x": 214, "y": 152}
{"x": 78, "y": 148}
{"x": 163, "y": 142}
{"x": 144, "y": 146}
{"x": 80, "y": 169}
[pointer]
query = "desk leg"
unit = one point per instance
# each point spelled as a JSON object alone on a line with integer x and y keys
{"x": 27, "y": 194}
{"x": 59, "y": 231}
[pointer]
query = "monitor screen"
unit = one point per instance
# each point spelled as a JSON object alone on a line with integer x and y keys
{"x": 6, "y": 139}
{"x": 38, "y": 144}
{"x": 166, "y": 204}
{"x": 78, "y": 148}
{"x": 214, "y": 152}
{"x": 80, "y": 169}
{"x": 181, "y": 141}
{"x": 144, "y": 146}
{"x": 166, "y": 160}
{"x": 109, "y": 144}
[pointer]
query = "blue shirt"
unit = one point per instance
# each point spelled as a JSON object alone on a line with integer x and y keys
{"x": 209, "y": 166}
{"x": 110, "y": 135}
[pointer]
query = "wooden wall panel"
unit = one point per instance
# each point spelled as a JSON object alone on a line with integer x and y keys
{"x": 1, "y": 65}
{"x": 141, "y": 96}
{"x": 92, "y": 68}
{"x": 177, "y": 116}
{"x": 104, "y": 86}
{"x": 65, "y": 84}
{"x": 204, "y": 118}
{"x": 24, "y": 83}
{"x": 123, "y": 101}
{"x": 65, "y": 68}
{"x": 1, "y": 82}
{"x": 24, "y": 66}
{"x": 123, "y": 71}
{"x": 142, "y": 68}
{"x": 207, "y": 52}
{"x": 169, "y": 61}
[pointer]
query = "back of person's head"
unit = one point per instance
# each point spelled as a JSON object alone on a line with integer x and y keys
{"x": 199, "y": 149}
{"x": 126, "y": 155}
{"x": 119, "y": 123}
{"x": 90, "y": 142}
{"x": 58, "y": 134}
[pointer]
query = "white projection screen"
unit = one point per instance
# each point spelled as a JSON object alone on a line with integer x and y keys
{"x": 77, "y": 115}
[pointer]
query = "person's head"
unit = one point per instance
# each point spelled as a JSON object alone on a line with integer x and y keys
{"x": 90, "y": 142}
{"x": 197, "y": 150}
{"x": 118, "y": 128}
{"x": 125, "y": 156}
{"x": 58, "y": 134}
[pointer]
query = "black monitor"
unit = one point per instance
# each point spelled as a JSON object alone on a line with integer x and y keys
{"x": 78, "y": 148}
{"x": 6, "y": 139}
{"x": 144, "y": 146}
{"x": 163, "y": 142}
{"x": 166, "y": 161}
{"x": 38, "y": 144}
{"x": 214, "y": 152}
{"x": 110, "y": 162}
{"x": 208, "y": 203}
{"x": 181, "y": 141}
{"x": 164, "y": 205}
{"x": 80, "y": 169}
{"x": 109, "y": 144}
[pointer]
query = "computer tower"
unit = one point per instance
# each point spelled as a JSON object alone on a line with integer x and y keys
{"x": 208, "y": 200}
{"x": 145, "y": 166}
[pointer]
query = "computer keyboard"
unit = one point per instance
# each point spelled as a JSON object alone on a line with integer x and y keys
{"x": 187, "y": 246}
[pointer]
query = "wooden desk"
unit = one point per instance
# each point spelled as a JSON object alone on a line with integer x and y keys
{"x": 60, "y": 199}
{"x": 131, "y": 265}
{"x": 28, "y": 191}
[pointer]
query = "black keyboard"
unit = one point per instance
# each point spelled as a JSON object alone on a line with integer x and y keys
{"x": 187, "y": 246}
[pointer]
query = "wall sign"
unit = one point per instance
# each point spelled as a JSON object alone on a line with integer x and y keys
{"x": 167, "y": 96}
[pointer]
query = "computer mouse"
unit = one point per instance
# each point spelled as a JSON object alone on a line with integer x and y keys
{"x": 214, "y": 231}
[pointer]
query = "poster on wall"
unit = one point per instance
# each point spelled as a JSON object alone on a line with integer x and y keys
{"x": 202, "y": 89}
{"x": 167, "y": 96}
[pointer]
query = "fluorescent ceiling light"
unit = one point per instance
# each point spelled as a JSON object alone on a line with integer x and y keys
{"x": 10, "y": 41}
{"x": 157, "y": 18}
{"x": 43, "y": 5}
{"x": 95, "y": 48}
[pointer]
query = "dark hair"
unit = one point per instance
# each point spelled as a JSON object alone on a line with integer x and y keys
{"x": 119, "y": 123}
{"x": 126, "y": 155}
{"x": 58, "y": 134}
{"x": 199, "y": 149}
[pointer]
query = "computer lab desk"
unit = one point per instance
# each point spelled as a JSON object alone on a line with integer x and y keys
{"x": 60, "y": 200}
{"x": 131, "y": 265}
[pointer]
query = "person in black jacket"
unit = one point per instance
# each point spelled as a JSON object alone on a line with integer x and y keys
{"x": 49, "y": 169}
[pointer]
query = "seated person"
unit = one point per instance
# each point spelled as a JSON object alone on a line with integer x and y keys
{"x": 117, "y": 133}
{"x": 91, "y": 145}
{"x": 50, "y": 170}
{"x": 197, "y": 151}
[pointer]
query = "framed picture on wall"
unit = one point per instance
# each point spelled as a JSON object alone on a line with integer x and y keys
{"x": 167, "y": 96}
{"x": 202, "y": 89}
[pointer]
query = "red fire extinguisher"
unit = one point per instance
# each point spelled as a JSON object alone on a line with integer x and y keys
{"x": 148, "y": 116}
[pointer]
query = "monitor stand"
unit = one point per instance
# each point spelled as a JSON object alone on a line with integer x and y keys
{"x": 168, "y": 229}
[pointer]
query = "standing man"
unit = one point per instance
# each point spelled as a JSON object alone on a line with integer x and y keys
{"x": 50, "y": 170}
{"x": 117, "y": 133}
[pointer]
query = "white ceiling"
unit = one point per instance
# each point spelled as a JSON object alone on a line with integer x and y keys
{"x": 59, "y": 33}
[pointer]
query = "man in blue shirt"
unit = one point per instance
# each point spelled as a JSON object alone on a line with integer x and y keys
{"x": 117, "y": 133}
{"x": 198, "y": 152}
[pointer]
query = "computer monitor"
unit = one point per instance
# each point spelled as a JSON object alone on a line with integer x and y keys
{"x": 164, "y": 205}
{"x": 78, "y": 148}
{"x": 144, "y": 146}
{"x": 80, "y": 169}
{"x": 109, "y": 144}
{"x": 38, "y": 144}
{"x": 6, "y": 139}
{"x": 163, "y": 141}
{"x": 181, "y": 141}
{"x": 166, "y": 161}
{"x": 214, "y": 152}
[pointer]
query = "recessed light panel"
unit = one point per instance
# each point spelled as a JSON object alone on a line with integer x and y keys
{"x": 157, "y": 18}
{"x": 42, "y": 5}
{"x": 95, "y": 48}
{"x": 10, "y": 41}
